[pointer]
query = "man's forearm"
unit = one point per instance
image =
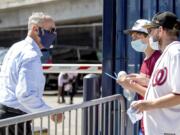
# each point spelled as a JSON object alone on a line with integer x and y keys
{"x": 139, "y": 89}
{"x": 167, "y": 101}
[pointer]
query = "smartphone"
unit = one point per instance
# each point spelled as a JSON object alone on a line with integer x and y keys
{"x": 111, "y": 76}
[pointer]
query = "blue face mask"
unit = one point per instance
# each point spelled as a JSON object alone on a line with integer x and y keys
{"x": 153, "y": 43}
{"x": 47, "y": 37}
{"x": 138, "y": 45}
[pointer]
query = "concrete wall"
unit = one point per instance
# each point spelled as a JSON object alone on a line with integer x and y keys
{"x": 6, "y": 4}
{"x": 63, "y": 11}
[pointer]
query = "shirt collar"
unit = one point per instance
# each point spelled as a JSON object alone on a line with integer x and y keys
{"x": 34, "y": 45}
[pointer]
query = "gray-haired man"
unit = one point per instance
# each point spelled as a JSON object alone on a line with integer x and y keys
{"x": 22, "y": 80}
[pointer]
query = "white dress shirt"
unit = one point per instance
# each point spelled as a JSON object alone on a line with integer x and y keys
{"x": 21, "y": 77}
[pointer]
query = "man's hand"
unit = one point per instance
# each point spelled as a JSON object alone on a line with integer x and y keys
{"x": 133, "y": 82}
{"x": 142, "y": 105}
{"x": 59, "y": 117}
{"x": 138, "y": 78}
{"x": 127, "y": 83}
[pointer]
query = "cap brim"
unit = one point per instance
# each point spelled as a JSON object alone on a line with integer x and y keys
{"x": 129, "y": 31}
{"x": 151, "y": 25}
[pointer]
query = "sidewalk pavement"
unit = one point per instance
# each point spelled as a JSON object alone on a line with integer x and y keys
{"x": 51, "y": 100}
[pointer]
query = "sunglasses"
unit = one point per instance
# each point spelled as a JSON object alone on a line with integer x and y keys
{"x": 51, "y": 30}
{"x": 151, "y": 29}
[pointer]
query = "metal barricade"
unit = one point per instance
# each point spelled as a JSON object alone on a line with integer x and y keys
{"x": 71, "y": 125}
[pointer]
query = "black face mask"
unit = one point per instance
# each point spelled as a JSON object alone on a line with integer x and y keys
{"x": 47, "y": 37}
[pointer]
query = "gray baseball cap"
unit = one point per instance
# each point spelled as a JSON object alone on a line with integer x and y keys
{"x": 138, "y": 27}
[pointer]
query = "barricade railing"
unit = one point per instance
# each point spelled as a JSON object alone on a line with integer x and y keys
{"x": 114, "y": 106}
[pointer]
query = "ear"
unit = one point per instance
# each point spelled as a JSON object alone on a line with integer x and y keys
{"x": 161, "y": 31}
{"x": 35, "y": 29}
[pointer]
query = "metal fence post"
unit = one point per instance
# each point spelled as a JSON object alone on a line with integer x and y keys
{"x": 91, "y": 90}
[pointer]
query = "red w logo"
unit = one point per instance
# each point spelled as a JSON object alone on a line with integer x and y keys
{"x": 160, "y": 77}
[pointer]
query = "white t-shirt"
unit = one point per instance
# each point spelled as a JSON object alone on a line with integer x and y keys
{"x": 165, "y": 80}
{"x": 62, "y": 80}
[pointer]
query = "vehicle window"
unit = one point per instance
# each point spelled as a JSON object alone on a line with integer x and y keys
{"x": 64, "y": 55}
{"x": 76, "y": 55}
{"x": 89, "y": 56}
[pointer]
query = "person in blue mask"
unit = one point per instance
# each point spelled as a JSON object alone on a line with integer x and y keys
{"x": 22, "y": 80}
{"x": 141, "y": 42}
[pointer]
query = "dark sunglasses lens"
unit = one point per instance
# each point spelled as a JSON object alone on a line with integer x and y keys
{"x": 53, "y": 30}
{"x": 150, "y": 30}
